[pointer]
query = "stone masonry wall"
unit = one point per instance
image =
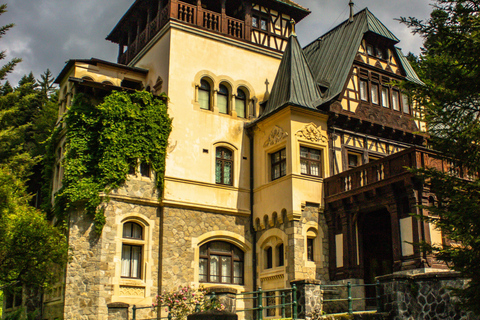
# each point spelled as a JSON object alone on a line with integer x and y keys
{"x": 422, "y": 297}
{"x": 93, "y": 273}
{"x": 181, "y": 228}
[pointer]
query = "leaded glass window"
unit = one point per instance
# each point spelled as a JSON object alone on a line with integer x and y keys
{"x": 224, "y": 166}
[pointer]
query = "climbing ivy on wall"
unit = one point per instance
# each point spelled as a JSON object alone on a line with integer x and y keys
{"x": 103, "y": 141}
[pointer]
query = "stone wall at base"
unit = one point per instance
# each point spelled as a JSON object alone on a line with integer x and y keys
{"x": 93, "y": 276}
{"x": 309, "y": 298}
{"x": 184, "y": 230}
{"x": 422, "y": 296}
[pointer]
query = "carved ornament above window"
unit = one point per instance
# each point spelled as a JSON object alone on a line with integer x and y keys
{"x": 311, "y": 133}
{"x": 277, "y": 135}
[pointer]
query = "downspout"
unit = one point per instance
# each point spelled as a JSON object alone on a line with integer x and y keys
{"x": 252, "y": 229}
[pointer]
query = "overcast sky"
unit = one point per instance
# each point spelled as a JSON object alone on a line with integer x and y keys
{"x": 47, "y": 33}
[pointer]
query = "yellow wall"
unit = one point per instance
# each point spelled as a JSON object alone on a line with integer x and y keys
{"x": 288, "y": 192}
{"x": 190, "y": 169}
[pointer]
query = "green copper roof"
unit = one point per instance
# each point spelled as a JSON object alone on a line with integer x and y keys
{"x": 331, "y": 56}
{"x": 411, "y": 74}
{"x": 294, "y": 83}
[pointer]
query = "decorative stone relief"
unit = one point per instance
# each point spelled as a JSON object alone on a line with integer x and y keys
{"x": 277, "y": 135}
{"x": 132, "y": 291}
{"x": 312, "y": 133}
{"x": 271, "y": 278}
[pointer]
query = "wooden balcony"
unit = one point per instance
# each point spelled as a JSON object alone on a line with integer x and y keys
{"x": 380, "y": 173}
{"x": 188, "y": 14}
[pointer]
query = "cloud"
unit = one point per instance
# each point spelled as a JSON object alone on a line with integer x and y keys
{"x": 49, "y": 32}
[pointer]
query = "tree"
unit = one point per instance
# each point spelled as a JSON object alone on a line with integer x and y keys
{"x": 450, "y": 67}
{"x": 31, "y": 248}
{"x": 8, "y": 67}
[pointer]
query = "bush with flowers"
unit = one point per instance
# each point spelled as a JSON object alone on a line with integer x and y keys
{"x": 186, "y": 300}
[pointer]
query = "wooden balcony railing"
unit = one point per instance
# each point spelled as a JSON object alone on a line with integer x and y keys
{"x": 190, "y": 14}
{"x": 381, "y": 172}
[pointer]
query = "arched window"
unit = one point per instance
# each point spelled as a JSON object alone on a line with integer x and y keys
{"x": 204, "y": 95}
{"x": 221, "y": 262}
{"x": 222, "y": 99}
{"x": 241, "y": 103}
{"x": 132, "y": 249}
{"x": 312, "y": 245}
{"x": 224, "y": 166}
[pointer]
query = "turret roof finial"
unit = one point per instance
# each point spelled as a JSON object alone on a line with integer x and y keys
{"x": 292, "y": 22}
{"x": 351, "y": 10}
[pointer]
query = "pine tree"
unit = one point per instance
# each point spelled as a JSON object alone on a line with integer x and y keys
{"x": 450, "y": 67}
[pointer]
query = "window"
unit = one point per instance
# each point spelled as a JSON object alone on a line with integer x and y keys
{"x": 310, "y": 249}
{"x": 132, "y": 250}
{"x": 145, "y": 169}
{"x": 254, "y": 22}
{"x": 353, "y": 160}
{"x": 222, "y": 99}
{"x": 363, "y": 90}
{"x": 379, "y": 53}
{"x": 385, "y": 102}
{"x": 370, "y": 50}
{"x": 221, "y": 262}
{"x": 268, "y": 258}
{"x": 374, "y": 93}
{"x": 395, "y": 101}
{"x": 263, "y": 24}
{"x": 310, "y": 162}
{"x": 279, "y": 164}
{"x": 405, "y": 103}
{"x": 224, "y": 166}
{"x": 241, "y": 103}
{"x": 311, "y": 236}
{"x": 204, "y": 95}
{"x": 280, "y": 255}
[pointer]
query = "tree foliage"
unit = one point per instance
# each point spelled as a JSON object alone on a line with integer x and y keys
{"x": 450, "y": 67}
{"x": 103, "y": 141}
{"x": 30, "y": 247}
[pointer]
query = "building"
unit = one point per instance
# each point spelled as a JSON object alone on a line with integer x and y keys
{"x": 285, "y": 164}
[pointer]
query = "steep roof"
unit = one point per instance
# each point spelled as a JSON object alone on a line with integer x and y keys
{"x": 411, "y": 74}
{"x": 331, "y": 56}
{"x": 294, "y": 83}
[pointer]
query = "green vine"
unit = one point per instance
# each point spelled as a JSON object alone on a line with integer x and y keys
{"x": 103, "y": 141}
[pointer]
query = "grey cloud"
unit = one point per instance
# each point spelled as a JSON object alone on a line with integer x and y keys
{"x": 49, "y": 32}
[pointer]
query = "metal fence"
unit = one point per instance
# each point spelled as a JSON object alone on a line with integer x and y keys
{"x": 283, "y": 303}
{"x": 282, "y": 300}
{"x": 349, "y": 299}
